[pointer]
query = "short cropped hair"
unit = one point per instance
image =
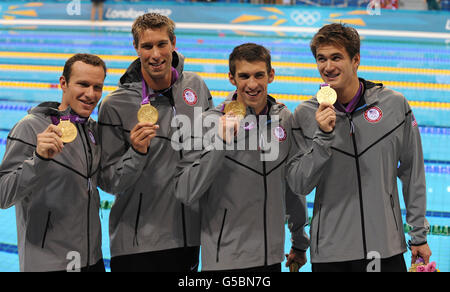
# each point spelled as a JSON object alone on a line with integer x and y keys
{"x": 338, "y": 35}
{"x": 152, "y": 21}
{"x": 85, "y": 58}
{"x": 249, "y": 52}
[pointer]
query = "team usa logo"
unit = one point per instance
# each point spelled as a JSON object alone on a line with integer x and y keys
{"x": 280, "y": 133}
{"x": 414, "y": 121}
{"x": 190, "y": 97}
{"x": 373, "y": 115}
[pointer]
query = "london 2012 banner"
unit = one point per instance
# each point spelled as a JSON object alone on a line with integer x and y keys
{"x": 286, "y": 17}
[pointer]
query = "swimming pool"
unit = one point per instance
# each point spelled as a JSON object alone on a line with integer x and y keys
{"x": 31, "y": 61}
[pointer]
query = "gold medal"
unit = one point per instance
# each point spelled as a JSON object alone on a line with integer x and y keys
{"x": 69, "y": 131}
{"x": 148, "y": 113}
{"x": 238, "y": 108}
{"x": 327, "y": 94}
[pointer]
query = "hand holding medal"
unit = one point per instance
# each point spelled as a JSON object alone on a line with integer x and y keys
{"x": 148, "y": 114}
{"x": 49, "y": 142}
{"x": 326, "y": 114}
{"x": 68, "y": 131}
{"x": 145, "y": 130}
{"x": 238, "y": 109}
{"x": 229, "y": 123}
{"x": 326, "y": 94}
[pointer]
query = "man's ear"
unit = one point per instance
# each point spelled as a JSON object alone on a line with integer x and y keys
{"x": 174, "y": 43}
{"x": 271, "y": 75}
{"x": 63, "y": 83}
{"x": 135, "y": 48}
{"x": 231, "y": 78}
{"x": 356, "y": 61}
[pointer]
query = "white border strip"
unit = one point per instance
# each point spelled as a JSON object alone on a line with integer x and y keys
{"x": 213, "y": 26}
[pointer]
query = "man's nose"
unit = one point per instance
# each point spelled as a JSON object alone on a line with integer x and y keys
{"x": 155, "y": 54}
{"x": 252, "y": 83}
{"x": 90, "y": 91}
{"x": 329, "y": 66}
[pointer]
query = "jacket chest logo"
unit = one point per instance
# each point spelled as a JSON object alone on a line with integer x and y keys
{"x": 190, "y": 97}
{"x": 373, "y": 114}
{"x": 280, "y": 133}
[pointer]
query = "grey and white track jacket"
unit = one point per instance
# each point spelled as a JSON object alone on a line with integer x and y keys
{"x": 354, "y": 170}
{"x": 146, "y": 216}
{"x": 243, "y": 196}
{"x": 56, "y": 200}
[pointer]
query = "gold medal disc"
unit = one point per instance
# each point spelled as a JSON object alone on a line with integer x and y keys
{"x": 238, "y": 108}
{"x": 327, "y": 94}
{"x": 148, "y": 113}
{"x": 69, "y": 131}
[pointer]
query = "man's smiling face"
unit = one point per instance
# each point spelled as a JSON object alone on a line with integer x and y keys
{"x": 335, "y": 66}
{"x": 251, "y": 81}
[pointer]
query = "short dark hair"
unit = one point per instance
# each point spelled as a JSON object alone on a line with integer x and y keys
{"x": 339, "y": 35}
{"x": 152, "y": 21}
{"x": 85, "y": 58}
{"x": 249, "y": 52}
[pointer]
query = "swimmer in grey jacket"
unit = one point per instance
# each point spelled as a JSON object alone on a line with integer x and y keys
{"x": 243, "y": 194}
{"x": 52, "y": 185}
{"x": 352, "y": 152}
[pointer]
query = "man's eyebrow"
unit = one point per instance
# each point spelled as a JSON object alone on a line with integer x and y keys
{"x": 332, "y": 55}
{"x": 87, "y": 82}
{"x": 256, "y": 73}
{"x": 154, "y": 42}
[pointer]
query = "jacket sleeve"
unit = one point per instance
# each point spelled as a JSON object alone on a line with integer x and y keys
{"x": 120, "y": 163}
{"x": 412, "y": 174}
{"x": 21, "y": 169}
{"x": 296, "y": 207}
{"x": 306, "y": 166}
{"x": 297, "y": 219}
{"x": 198, "y": 168}
{"x": 208, "y": 95}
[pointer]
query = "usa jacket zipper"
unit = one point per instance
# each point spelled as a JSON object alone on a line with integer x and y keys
{"x": 89, "y": 184}
{"x": 183, "y": 213}
{"x": 318, "y": 230}
{"x": 47, "y": 225}
{"x": 393, "y": 210}
{"x": 265, "y": 213}
{"x": 358, "y": 170}
{"x": 262, "y": 146}
{"x": 220, "y": 235}
{"x": 136, "y": 225}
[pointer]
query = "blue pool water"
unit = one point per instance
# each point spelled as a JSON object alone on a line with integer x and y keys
{"x": 434, "y": 121}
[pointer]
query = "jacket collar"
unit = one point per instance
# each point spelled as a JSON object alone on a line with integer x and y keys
{"x": 371, "y": 90}
{"x": 50, "y": 109}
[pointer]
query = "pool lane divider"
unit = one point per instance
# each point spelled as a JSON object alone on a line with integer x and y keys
{"x": 222, "y": 62}
{"x": 224, "y": 76}
{"x": 215, "y": 93}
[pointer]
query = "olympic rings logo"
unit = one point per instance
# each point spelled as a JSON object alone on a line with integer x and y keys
{"x": 305, "y": 17}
